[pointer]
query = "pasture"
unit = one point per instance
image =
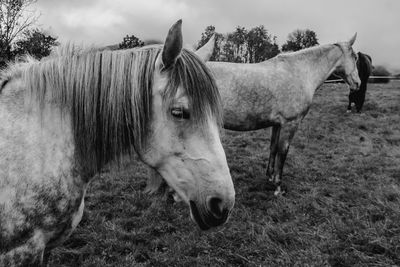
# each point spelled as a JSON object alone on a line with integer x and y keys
{"x": 342, "y": 207}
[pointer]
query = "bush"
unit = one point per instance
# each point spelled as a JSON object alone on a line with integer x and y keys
{"x": 380, "y": 71}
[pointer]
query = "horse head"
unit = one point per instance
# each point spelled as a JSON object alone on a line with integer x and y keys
{"x": 347, "y": 68}
{"x": 184, "y": 144}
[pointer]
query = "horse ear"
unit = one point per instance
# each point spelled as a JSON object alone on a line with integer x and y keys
{"x": 173, "y": 45}
{"x": 205, "y": 52}
{"x": 353, "y": 39}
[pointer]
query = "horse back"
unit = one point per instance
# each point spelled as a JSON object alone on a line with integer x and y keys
{"x": 261, "y": 93}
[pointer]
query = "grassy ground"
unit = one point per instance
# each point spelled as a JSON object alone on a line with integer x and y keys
{"x": 342, "y": 206}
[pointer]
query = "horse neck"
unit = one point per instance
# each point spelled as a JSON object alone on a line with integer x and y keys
{"x": 318, "y": 64}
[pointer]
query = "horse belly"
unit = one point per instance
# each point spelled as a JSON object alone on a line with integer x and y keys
{"x": 247, "y": 121}
{"x": 293, "y": 102}
{"x": 247, "y": 109}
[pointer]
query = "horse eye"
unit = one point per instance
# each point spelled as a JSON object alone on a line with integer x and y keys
{"x": 180, "y": 113}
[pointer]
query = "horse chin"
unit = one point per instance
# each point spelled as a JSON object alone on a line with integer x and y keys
{"x": 204, "y": 219}
{"x": 196, "y": 217}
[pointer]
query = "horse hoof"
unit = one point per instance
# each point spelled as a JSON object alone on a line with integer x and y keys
{"x": 348, "y": 111}
{"x": 279, "y": 191}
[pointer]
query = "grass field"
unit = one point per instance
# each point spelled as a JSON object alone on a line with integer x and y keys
{"x": 342, "y": 207}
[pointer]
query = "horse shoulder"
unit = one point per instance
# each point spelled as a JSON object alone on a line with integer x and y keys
{"x": 38, "y": 186}
{"x": 288, "y": 88}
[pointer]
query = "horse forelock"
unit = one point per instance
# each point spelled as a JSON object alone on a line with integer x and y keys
{"x": 192, "y": 74}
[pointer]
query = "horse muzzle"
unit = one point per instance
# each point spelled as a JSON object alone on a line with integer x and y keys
{"x": 354, "y": 87}
{"x": 354, "y": 83}
{"x": 212, "y": 214}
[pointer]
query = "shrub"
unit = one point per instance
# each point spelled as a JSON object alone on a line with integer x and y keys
{"x": 380, "y": 71}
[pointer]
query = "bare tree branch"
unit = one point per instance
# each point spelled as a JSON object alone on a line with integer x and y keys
{"x": 15, "y": 17}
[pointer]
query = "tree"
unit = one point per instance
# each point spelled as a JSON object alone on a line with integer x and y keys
{"x": 130, "y": 42}
{"x": 219, "y": 39}
{"x": 238, "y": 40}
{"x": 300, "y": 39}
{"x": 36, "y": 43}
{"x": 260, "y": 45}
{"x": 15, "y": 18}
{"x": 274, "y": 49}
{"x": 241, "y": 45}
{"x": 228, "y": 52}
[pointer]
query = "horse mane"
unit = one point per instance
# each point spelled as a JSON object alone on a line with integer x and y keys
{"x": 109, "y": 95}
{"x": 318, "y": 50}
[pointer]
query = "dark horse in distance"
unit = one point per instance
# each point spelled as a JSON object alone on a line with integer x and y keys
{"x": 364, "y": 66}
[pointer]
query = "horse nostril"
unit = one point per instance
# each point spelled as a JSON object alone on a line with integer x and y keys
{"x": 215, "y": 205}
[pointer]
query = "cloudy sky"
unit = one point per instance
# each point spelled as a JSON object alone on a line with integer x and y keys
{"x": 104, "y": 22}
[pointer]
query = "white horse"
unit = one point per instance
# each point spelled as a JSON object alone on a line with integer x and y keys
{"x": 63, "y": 118}
{"x": 277, "y": 93}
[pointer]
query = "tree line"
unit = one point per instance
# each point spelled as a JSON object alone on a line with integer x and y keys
{"x": 19, "y": 36}
{"x": 243, "y": 45}
{"x": 255, "y": 44}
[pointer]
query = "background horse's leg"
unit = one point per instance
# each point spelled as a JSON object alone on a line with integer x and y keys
{"x": 361, "y": 98}
{"x": 29, "y": 254}
{"x": 275, "y": 131}
{"x": 154, "y": 182}
{"x": 285, "y": 138}
{"x": 351, "y": 99}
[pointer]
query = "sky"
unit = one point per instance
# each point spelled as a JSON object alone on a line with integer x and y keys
{"x": 106, "y": 22}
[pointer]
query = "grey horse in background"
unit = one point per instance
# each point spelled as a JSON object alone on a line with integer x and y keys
{"x": 276, "y": 93}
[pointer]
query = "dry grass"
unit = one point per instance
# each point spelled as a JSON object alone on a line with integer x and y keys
{"x": 342, "y": 206}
